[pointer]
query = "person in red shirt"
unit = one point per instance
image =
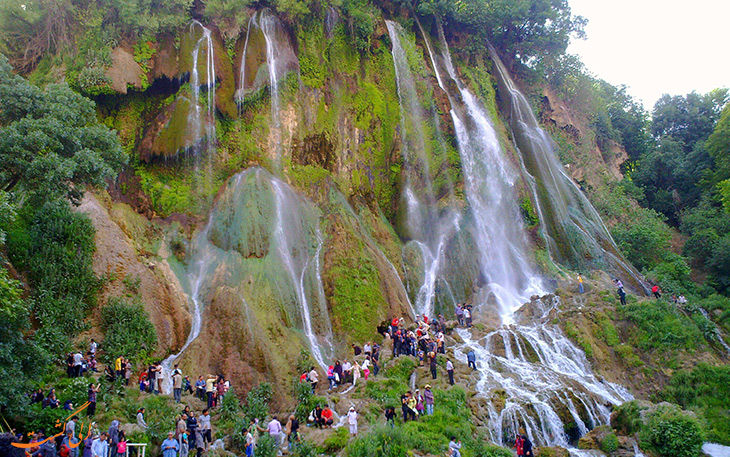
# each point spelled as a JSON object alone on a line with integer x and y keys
{"x": 327, "y": 417}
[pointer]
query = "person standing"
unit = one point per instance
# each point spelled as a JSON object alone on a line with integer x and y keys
{"x": 471, "y": 359}
{"x": 118, "y": 367}
{"x": 200, "y": 388}
{"x": 292, "y": 432}
{"x": 93, "y": 390}
{"x": 390, "y": 416}
{"x": 177, "y": 385}
{"x": 580, "y": 284}
{"x": 355, "y": 372}
{"x": 204, "y": 424}
{"x": 209, "y": 389}
{"x": 527, "y": 446}
{"x": 181, "y": 429}
{"x": 113, "y": 438}
{"x": 352, "y": 420}
{"x": 450, "y": 371}
{"x": 459, "y": 311}
{"x": 433, "y": 364}
{"x": 100, "y": 447}
{"x": 71, "y": 443}
{"x": 313, "y": 378}
{"x": 274, "y": 429}
{"x": 622, "y": 295}
{"x": 170, "y": 446}
{"x": 655, "y": 291}
{"x": 192, "y": 424}
{"x": 78, "y": 363}
{"x": 428, "y": 399}
{"x": 248, "y": 436}
{"x": 159, "y": 376}
{"x": 519, "y": 446}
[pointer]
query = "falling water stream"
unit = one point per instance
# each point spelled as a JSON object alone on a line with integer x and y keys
{"x": 573, "y": 228}
{"x": 536, "y": 380}
{"x": 428, "y": 228}
{"x": 293, "y": 246}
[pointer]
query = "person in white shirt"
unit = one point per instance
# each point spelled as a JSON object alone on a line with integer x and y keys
{"x": 450, "y": 371}
{"x": 274, "y": 429}
{"x": 204, "y": 425}
{"x": 313, "y": 379}
{"x": 352, "y": 420}
{"x": 100, "y": 446}
{"x": 92, "y": 347}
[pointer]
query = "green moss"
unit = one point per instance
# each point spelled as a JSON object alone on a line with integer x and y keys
{"x": 169, "y": 192}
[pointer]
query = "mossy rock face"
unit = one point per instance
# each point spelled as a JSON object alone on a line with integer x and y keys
{"x": 166, "y": 62}
{"x": 551, "y": 451}
{"x": 169, "y": 132}
{"x": 245, "y": 217}
{"x": 254, "y": 73}
{"x": 224, "y": 75}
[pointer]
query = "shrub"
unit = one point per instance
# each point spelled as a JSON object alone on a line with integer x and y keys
{"x": 128, "y": 330}
{"x": 609, "y": 443}
{"x": 627, "y": 418}
{"x": 381, "y": 441}
{"x": 257, "y": 402}
{"x": 336, "y": 441}
{"x": 672, "y": 432}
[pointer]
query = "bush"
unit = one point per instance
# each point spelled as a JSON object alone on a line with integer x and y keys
{"x": 128, "y": 330}
{"x": 381, "y": 441}
{"x": 59, "y": 264}
{"x": 336, "y": 441}
{"x": 257, "y": 402}
{"x": 609, "y": 443}
{"x": 626, "y": 419}
{"x": 705, "y": 389}
{"x": 672, "y": 432}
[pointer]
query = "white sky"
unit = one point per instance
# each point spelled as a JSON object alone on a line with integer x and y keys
{"x": 656, "y": 46}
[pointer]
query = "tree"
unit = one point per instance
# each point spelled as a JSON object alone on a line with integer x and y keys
{"x": 20, "y": 358}
{"x": 51, "y": 143}
{"x": 526, "y": 31}
{"x": 690, "y": 118}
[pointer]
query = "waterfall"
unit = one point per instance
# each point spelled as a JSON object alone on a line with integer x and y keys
{"x": 298, "y": 262}
{"x": 429, "y": 231}
{"x": 193, "y": 281}
{"x": 205, "y": 126}
{"x": 540, "y": 374}
{"x": 242, "y": 72}
{"x": 283, "y": 254}
{"x": 488, "y": 181}
{"x": 542, "y": 379}
{"x": 573, "y": 229}
{"x": 203, "y": 123}
{"x": 280, "y": 59}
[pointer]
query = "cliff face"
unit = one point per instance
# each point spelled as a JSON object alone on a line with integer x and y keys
{"x": 275, "y": 188}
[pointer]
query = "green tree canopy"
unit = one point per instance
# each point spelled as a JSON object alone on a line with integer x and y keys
{"x": 525, "y": 30}
{"x": 51, "y": 143}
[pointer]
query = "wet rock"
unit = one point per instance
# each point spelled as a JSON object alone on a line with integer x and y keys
{"x": 124, "y": 71}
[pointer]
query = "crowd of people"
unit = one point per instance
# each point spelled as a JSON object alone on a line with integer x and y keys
{"x": 192, "y": 431}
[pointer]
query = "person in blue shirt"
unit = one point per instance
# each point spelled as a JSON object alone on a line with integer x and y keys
{"x": 170, "y": 446}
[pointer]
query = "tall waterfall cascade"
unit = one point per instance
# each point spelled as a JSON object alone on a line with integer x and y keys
{"x": 285, "y": 257}
{"x": 534, "y": 378}
{"x": 573, "y": 228}
{"x": 428, "y": 227}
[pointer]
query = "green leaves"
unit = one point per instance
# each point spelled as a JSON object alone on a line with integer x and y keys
{"x": 128, "y": 330}
{"x": 51, "y": 144}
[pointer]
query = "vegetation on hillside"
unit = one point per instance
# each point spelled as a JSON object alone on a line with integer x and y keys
{"x": 670, "y": 215}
